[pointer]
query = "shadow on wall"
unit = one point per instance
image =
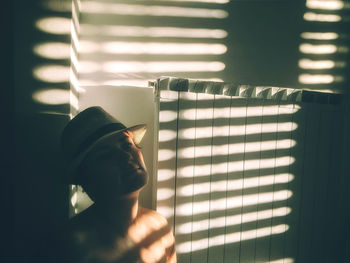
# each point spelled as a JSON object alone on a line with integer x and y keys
{"x": 129, "y": 43}
{"x": 324, "y": 47}
{"x": 41, "y": 72}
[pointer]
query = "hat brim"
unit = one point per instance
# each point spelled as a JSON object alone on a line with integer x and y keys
{"x": 138, "y": 132}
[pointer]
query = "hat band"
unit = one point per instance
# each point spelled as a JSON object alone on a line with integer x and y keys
{"x": 109, "y": 128}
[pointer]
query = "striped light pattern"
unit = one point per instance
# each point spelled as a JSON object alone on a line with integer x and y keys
{"x": 132, "y": 42}
{"x": 323, "y": 54}
{"x": 232, "y": 163}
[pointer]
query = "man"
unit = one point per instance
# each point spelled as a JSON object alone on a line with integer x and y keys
{"x": 105, "y": 159}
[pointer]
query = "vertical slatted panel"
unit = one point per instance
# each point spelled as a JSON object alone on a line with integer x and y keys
{"x": 320, "y": 181}
{"x": 201, "y": 211}
{"x": 268, "y": 133}
{"x": 334, "y": 213}
{"x": 168, "y": 110}
{"x": 218, "y": 188}
{"x": 308, "y": 184}
{"x": 184, "y": 176}
{"x": 252, "y": 174}
{"x": 235, "y": 177}
{"x": 259, "y": 209}
{"x": 283, "y": 163}
{"x": 249, "y": 195}
{"x": 291, "y": 240}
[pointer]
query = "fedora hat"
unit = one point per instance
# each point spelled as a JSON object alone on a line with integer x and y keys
{"x": 88, "y": 128}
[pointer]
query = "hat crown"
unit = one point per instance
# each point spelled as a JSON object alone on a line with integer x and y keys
{"x": 85, "y": 128}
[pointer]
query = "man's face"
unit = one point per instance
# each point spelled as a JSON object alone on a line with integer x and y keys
{"x": 115, "y": 167}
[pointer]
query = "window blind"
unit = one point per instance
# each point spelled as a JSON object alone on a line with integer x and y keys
{"x": 248, "y": 174}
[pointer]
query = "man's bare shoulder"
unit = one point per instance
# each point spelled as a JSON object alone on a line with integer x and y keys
{"x": 151, "y": 212}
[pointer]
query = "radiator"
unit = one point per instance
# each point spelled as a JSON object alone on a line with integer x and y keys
{"x": 248, "y": 174}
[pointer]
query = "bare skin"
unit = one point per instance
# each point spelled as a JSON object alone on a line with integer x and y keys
{"x": 148, "y": 238}
{"x": 115, "y": 229}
